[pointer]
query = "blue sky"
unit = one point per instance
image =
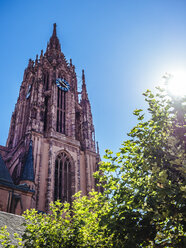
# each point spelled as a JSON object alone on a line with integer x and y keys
{"x": 125, "y": 47}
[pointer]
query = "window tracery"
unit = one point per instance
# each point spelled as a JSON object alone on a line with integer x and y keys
{"x": 63, "y": 178}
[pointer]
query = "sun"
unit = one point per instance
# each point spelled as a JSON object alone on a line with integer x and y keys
{"x": 176, "y": 83}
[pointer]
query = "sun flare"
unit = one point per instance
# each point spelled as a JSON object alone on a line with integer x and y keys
{"x": 176, "y": 83}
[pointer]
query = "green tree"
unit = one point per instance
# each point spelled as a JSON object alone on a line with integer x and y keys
{"x": 65, "y": 226}
{"x": 143, "y": 204}
{"x": 148, "y": 190}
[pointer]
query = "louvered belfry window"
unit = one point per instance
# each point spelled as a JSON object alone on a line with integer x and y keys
{"x": 62, "y": 187}
{"x": 61, "y": 111}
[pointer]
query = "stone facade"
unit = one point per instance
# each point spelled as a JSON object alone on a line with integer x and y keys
{"x": 51, "y": 142}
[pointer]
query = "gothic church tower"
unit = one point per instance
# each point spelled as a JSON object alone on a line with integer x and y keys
{"x": 51, "y": 141}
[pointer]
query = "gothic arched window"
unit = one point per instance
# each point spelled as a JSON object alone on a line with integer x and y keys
{"x": 61, "y": 109}
{"x": 63, "y": 178}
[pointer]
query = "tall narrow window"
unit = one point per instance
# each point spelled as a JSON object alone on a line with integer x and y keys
{"x": 46, "y": 113}
{"x": 61, "y": 109}
{"x": 46, "y": 80}
{"x": 62, "y": 187}
{"x": 78, "y": 126}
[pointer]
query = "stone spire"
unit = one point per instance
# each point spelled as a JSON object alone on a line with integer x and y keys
{"x": 84, "y": 95}
{"x": 54, "y": 41}
{"x": 87, "y": 123}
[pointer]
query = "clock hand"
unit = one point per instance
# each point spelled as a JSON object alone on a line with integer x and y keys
{"x": 64, "y": 84}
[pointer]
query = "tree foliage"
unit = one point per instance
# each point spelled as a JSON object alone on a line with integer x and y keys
{"x": 66, "y": 226}
{"x": 143, "y": 204}
{"x": 149, "y": 191}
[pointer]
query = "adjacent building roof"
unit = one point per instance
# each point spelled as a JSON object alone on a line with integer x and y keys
{"x": 6, "y": 180}
{"x": 4, "y": 172}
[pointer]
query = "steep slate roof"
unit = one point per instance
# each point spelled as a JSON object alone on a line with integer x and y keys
{"x": 28, "y": 169}
{"x": 6, "y": 180}
{"x": 4, "y": 172}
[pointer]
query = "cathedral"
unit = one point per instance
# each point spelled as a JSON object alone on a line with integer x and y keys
{"x": 50, "y": 152}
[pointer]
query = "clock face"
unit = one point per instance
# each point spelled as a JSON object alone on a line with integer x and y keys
{"x": 62, "y": 84}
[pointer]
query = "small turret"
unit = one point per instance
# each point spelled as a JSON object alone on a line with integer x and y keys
{"x": 41, "y": 55}
{"x": 36, "y": 60}
{"x": 30, "y": 63}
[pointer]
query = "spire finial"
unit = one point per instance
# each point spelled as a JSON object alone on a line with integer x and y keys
{"x": 84, "y": 95}
{"x": 54, "y": 29}
{"x": 41, "y": 55}
{"x": 36, "y": 60}
{"x": 83, "y": 76}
